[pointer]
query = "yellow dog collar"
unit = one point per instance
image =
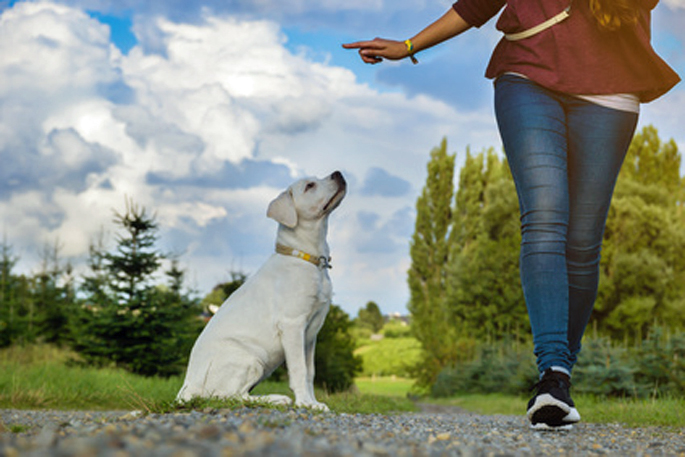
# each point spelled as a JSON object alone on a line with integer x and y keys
{"x": 321, "y": 262}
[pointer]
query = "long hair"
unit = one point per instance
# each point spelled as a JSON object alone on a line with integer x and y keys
{"x": 614, "y": 14}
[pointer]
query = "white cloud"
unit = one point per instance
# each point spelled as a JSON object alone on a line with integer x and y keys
{"x": 38, "y": 43}
{"x": 675, "y": 3}
{"x": 209, "y": 131}
{"x": 205, "y": 123}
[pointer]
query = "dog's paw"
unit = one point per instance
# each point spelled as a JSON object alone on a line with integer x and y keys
{"x": 315, "y": 405}
{"x": 272, "y": 399}
{"x": 276, "y": 399}
{"x": 321, "y": 407}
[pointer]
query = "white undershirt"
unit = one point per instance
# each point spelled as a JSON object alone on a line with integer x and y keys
{"x": 621, "y": 102}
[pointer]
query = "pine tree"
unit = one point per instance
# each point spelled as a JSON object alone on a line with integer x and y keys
{"x": 95, "y": 285}
{"x": 134, "y": 262}
{"x": 127, "y": 320}
{"x": 53, "y": 299}
{"x": 432, "y": 322}
{"x": 9, "y": 308}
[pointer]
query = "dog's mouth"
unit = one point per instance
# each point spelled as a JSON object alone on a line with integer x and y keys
{"x": 335, "y": 201}
{"x": 338, "y": 196}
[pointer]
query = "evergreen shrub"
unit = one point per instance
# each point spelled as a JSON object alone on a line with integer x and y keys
{"x": 605, "y": 369}
{"x": 651, "y": 368}
{"x": 661, "y": 363}
{"x": 334, "y": 359}
{"x": 497, "y": 368}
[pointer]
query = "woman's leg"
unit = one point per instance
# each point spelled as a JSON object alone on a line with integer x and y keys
{"x": 532, "y": 123}
{"x": 598, "y": 139}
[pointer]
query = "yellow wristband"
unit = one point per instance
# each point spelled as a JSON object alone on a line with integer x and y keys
{"x": 410, "y": 50}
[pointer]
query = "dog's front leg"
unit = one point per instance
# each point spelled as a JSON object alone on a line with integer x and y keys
{"x": 293, "y": 340}
{"x": 311, "y": 370}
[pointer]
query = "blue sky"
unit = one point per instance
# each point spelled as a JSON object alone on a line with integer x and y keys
{"x": 205, "y": 111}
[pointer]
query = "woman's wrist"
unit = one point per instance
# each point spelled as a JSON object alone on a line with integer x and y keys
{"x": 410, "y": 51}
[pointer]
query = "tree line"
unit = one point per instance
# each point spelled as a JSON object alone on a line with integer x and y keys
{"x": 464, "y": 277}
{"x": 131, "y": 312}
{"x": 119, "y": 313}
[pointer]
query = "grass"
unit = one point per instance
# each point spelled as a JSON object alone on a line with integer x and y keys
{"x": 57, "y": 386}
{"x": 485, "y": 403}
{"x": 631, "y": 412}
{"x": 346, "y": 402}
{"x": 385, "y": 386}
{"x": 41, "y": 378}
{"x": 634, "y": 412}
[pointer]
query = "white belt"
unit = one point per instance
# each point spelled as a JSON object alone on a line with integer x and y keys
{"x": 539, "y": 28}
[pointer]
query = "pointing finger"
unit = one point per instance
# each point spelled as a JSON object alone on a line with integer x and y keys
{"x": 373, "y": 44}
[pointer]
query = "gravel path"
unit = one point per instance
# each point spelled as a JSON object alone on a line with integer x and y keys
{"x": 260, "y": 432}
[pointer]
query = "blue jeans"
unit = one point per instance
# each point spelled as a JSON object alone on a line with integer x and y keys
{"x": 565, "y": 154}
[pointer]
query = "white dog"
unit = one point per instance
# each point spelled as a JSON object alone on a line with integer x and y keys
{"x": 276, "y": 315}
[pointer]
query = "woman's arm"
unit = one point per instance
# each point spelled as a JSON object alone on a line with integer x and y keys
{"x": 448, "y": 26}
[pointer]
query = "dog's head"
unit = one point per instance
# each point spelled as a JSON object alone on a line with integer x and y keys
{"x": 308, "y": 199}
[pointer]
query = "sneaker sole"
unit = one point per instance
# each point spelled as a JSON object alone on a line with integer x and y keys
{"x": 549, "y": 428}
{"x": 572, "y": 417}
{"x": 549, "y": 411}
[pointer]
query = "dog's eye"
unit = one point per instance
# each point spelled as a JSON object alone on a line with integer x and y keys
{"x": 309, "y": 186}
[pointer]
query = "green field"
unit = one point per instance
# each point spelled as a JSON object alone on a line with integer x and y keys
{"x": 42, "y": 378}
{"x": 385, "y": 386}
{"x": 388, "y": 356}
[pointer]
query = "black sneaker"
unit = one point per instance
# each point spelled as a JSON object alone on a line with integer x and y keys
{"x": 552, "y": 408}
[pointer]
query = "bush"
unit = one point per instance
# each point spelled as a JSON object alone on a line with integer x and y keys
{"x": 654, "y": 367}
{"x": 396, "y": 329}
{"x": 605, "y": 369}
{"x": 496, "y": 368}
{"x": 153, "y": 339}
{"x": 661, "y": 363}
{"x": 335, "y": 362}
{"x": 361, "y": 334}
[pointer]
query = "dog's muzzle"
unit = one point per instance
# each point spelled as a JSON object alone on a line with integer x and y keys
{"x": 339, "y": 195}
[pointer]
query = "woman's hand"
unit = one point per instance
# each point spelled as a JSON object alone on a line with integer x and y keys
{"x": 376, "y": 50}
{"x": 449, "y": 25}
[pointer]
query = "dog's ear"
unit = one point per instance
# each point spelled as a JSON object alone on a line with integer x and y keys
{"x": 282, "y": 210}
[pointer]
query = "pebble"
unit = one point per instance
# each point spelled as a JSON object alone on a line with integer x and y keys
{"x": 258, "y": 432}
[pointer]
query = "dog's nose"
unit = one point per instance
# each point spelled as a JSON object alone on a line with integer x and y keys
{"x": 338, "y": 177}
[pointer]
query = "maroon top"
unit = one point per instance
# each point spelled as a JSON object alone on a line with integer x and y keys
{"x": 574, "y": 56}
